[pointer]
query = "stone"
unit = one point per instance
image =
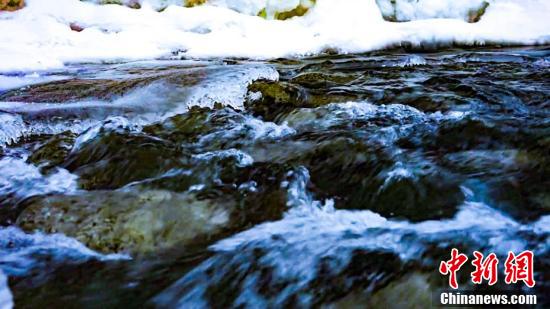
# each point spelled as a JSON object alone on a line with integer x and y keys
{"x": 136, "y": 222}
{"x": 11, "y": 5}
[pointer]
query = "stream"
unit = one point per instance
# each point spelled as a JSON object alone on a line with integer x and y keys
{"x": 329, "y": 182}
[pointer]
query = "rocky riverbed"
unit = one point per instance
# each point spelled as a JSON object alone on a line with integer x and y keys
{"x": 329, "y": 181}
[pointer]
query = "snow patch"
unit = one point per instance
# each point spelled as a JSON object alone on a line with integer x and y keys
{"x": 40, "y": 36}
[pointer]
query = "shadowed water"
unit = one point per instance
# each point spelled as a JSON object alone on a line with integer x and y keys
{"x": 332, "y": 181}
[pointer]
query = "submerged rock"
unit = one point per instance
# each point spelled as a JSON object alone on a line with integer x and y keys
{"x": 115, "y": 159}
{"x": 370, "y": 178}
{"x": 135, "y": 222}
{"x": 53, "y": 151}
{"x": 224, "y": 280}
{"x": 73, "y": 90}
{"x": 411, "y": 291}
{"x": 161, "y": 213}
{"x": 271, "y": 100}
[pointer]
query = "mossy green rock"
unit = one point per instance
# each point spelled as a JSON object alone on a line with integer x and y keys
{"x": 53, "y": 151}
{"x": 115, "y": 159}
{"x": 279, "y": 98}
{"x": 133, "y": 222}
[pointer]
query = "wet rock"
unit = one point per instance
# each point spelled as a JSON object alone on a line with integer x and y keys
{"x": 261, "y": 197}
{"x": 73, "y": 90}
{"x": 358, "y": 274}
{"x": 54, "y": 151}
{"x": 486, "y": 162}
{"x": 426, "y": 194}
{"x": 322, "y": 80}
{"x": 77, "y": 89}
{"x": 134, "y": 222}
{"x": 256, "y": 188}
{"x": 368, "y": 178}
{"x": 11, "y": 5}
{"x": 224, "y": 279}
{"x": 147, "y": 217}
{"x": 274, "y": 99}
{"x": 411, "y": 291}
{"x": 189, "y": 127}
{"x": 459, "y": 135}
{"x": 115, "y": 159}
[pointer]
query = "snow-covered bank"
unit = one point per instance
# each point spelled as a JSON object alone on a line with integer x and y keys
{"x": 39, "y": 37}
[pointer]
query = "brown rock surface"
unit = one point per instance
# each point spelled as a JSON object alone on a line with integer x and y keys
{"x": 11, "y": 5}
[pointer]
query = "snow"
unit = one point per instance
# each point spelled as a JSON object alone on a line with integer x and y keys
{"x": 406, "y": 10}
{"x": 39, "y": 37}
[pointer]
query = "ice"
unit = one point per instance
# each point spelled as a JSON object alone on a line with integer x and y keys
{"x": 39, "y": 35}
{"x": 13, "y": 126}
{"x": 229, "y": 85}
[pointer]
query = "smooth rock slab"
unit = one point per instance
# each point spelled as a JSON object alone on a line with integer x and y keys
{"x": 132, "y": 222}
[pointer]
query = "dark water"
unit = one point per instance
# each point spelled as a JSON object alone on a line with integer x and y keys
{"x": 333, "y": 181}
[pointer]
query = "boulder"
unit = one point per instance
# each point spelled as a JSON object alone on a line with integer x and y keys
{"x": 135, "y": 222}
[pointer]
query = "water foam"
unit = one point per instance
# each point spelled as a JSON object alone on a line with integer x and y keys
{"x": 308, "y": 217}
{"x": 22, "y": 180}
{"x": 243, "y": 159}
{"x": 313, "y": 231}
{"x": 6, "y": 299}
{"x": 21, "y": 253}
{"x": 247, "y": 126}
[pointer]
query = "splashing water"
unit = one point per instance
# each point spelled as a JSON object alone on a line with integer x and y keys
{"x": 6, "y": 299}
{"x": 324, "y": 177}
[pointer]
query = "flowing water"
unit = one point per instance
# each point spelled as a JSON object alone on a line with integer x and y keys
{"x": 331, "y": 181}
